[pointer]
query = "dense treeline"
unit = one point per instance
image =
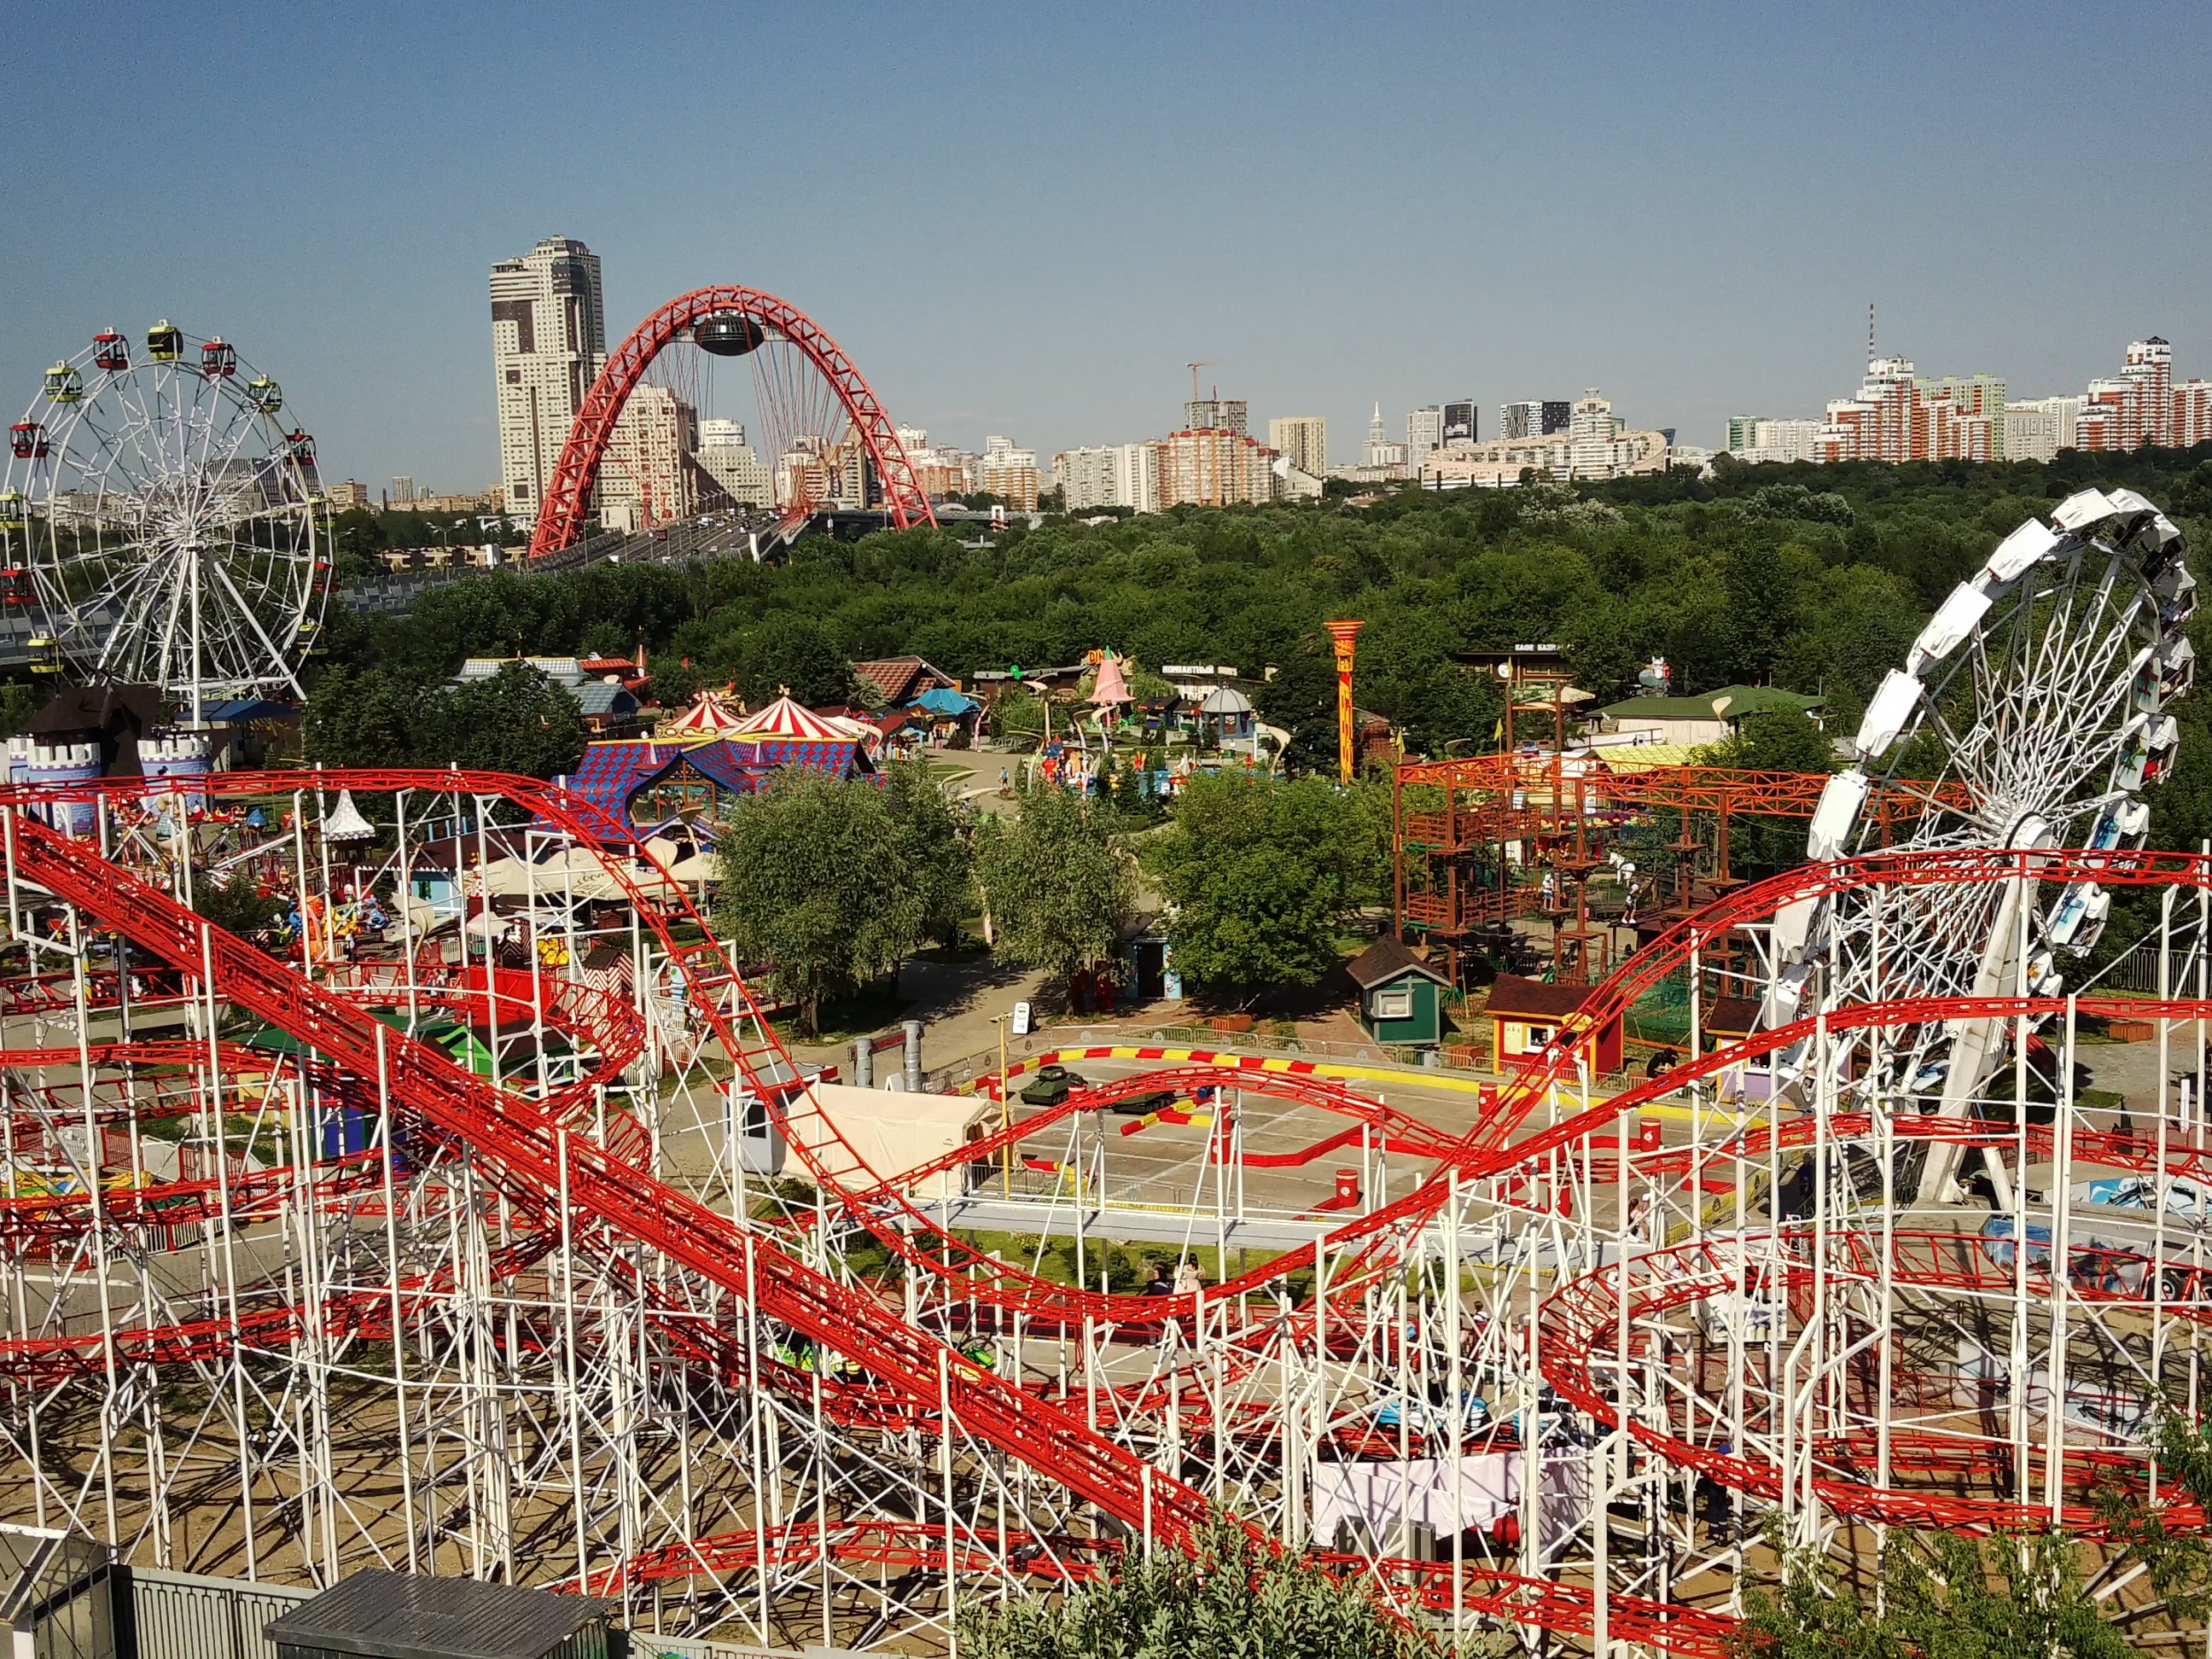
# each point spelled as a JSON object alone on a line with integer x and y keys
{"x": 1812, "y": 578}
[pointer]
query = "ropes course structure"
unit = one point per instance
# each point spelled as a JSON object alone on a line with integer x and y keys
{"x": 825, "y": 433}
{"x": 507, "y": 1238}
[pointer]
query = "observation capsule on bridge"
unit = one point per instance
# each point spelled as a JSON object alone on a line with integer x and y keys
{"x": 165, "y": 342}
{"x": 727, "y": 334}
{"x": 264, "y": 395}
{"x": 218, "y": 359}
{"x": 26, "y": 440}
{"x": 63, "y": 385}
{"x": 111, "y": 354}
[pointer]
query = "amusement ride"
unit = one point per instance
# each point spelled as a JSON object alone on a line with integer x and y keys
{"x": 162, "y": 512}
{"x": 476, "y": 1220}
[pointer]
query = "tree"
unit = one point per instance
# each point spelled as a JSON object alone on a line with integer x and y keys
{"x": 364, "y": 717}
{"x": 1301, "y": 700}
{"x": 236, "y": 906}
{"x": 933, "y": 848}
{"x": 1774, "y": 740}
{"x": 1261, "y": 878}
{"x": 791, "y": 653}
{"x": 516, "y": 721}
{"x": 1227, "y": 1600}
{"x": 1943, "y": 1597}
{"x": 814, "y": 884}
{"x": 1056, "y": 884}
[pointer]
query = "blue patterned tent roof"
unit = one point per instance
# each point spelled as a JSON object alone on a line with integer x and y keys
{"x": 730, "y": 765}
{"x": 840, "y": 759}
{"x": 611, "y": 773}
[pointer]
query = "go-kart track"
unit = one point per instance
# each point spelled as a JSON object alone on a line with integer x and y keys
{"x": 512, "y": 1243}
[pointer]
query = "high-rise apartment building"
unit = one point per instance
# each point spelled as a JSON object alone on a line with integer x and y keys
{"x": 1596, "y": 444}
{"x": 1425, "y": 431}
{"x": 2037, "y": 429}
{"x": 1461, "y": 423}
{"x": 1898, "y": 415}
{"x": 725, "y": 457}
{"x": 1303, "y": 439}
{"x": 647, "y": 477}
{"x": 403, "y": 490}
{"x": 1216, "y": 414}
{"x": 1214, "y": 468}
{"x": 1591, "y": 428}
{"x": 1010, "y": 474}
{"x": 1110, "y": 475}
{"x": 940, "y": 471}
{"x": 1536, "y": 419}
{"x": 548, "y": 342}
{"x": 1756, "y": 438}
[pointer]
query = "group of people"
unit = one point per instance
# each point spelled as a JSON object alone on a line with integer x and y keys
{"x": 1187, "y": 1280}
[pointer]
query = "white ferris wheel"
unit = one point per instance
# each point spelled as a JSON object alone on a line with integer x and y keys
{"x": 163, "y": 515}
{"x": 2032, "y": 713}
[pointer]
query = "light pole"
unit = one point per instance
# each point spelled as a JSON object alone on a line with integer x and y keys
{"x": 1005, "y": 1113}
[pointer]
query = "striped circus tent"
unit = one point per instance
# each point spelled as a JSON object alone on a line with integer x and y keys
{"x": 783, "y": 718}
{"x": 708, "y": 717}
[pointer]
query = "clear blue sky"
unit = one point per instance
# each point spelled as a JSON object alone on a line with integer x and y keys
{"x": 1026, "y": 219}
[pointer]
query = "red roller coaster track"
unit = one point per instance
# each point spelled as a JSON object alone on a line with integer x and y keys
{"x": 561, "y": 514}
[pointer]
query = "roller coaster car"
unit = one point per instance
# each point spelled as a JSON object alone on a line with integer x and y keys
{"x": 1141, "y": 1105}
{"x": 1051, "y": 1086}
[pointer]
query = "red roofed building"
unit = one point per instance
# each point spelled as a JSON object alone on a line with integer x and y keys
{"x": 1528, "y": 1014}
{"x": 898, "y": 680}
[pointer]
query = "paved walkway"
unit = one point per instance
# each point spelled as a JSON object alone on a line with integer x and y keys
{"x": 956, "y": 1001}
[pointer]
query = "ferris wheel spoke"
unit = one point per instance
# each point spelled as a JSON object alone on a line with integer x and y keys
{"x": 246, "y": 612}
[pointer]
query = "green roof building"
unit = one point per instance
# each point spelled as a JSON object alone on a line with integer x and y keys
{"x": 1710, "y": 717}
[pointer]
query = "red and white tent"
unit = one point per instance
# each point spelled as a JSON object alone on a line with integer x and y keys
{"x": 783, "y": 718}
{"x": 708, "y": 716}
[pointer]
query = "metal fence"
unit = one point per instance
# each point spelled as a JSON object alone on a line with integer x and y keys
{"x": 183, "y": 1616}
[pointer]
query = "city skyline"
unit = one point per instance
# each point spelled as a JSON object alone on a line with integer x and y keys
{"x": 1654, "y": 252}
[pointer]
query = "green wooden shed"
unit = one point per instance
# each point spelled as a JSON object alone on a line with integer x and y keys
{"x": 1398, "y": 994}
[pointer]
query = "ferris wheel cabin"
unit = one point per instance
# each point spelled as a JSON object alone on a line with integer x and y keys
{"x": 26, "y": 440}
{"x": 264, "y": 395}
{"x": 63, "y": 385}
{"x": 109, "y": 353}
{"x": 165, "y": 342}
{"x": 218, "y": 358}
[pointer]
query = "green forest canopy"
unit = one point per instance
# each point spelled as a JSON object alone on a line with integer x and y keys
{"x": 1815, "y": 579}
